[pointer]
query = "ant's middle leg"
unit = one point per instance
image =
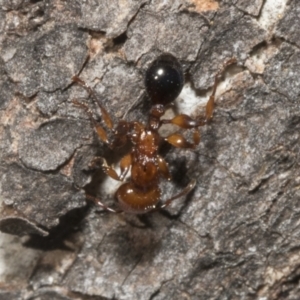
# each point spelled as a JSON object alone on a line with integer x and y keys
{"x": 163, "y": 167}
{"x": 179, "y": 141}
{"x": 125, "y": 163}
{"x": 185, "y": 122}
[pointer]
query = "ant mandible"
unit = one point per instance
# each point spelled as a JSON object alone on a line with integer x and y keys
{"x": 140, "y": 194}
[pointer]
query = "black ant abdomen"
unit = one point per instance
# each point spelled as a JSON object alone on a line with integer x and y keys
{"x": 164, "y": 79}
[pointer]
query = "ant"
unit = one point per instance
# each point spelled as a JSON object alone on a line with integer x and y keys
{"x": 164, "y": 81}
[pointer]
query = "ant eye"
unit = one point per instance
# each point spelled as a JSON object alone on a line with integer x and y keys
{"x": 164, "y": 79}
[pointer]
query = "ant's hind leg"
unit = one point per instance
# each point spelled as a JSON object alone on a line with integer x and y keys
{"x": 106, "y": 117}
{"x": 211, "y": 101}
{"x": 185, "y": 191}
{"x": 99, "y": 203}
{"x": 99, "y": 129}
{"x": 186, "y": 122}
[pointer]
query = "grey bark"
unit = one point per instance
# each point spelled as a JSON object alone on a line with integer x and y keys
{"x": 235, "y": 236}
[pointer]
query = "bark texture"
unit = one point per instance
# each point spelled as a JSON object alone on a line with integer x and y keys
{"x": 235, "y": 236}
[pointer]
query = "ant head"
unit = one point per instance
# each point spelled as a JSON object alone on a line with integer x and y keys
{"x": 164, "y": 79}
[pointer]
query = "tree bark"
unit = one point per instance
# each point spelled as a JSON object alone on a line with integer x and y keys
{"x": 235, "y": 236}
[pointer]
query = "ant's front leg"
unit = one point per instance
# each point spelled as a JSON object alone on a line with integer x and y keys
{"x": 125, "y": 165}
{"x": 184, "y": 192}
{"x": 179, "y": 141}
{"x": 98, "y": 202}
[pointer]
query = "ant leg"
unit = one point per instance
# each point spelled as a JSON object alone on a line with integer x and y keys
{"x": 163, "y": 167}
{"x": 96, "y": 163}
{"x": 186, "y": 122}
{"x": 125, "y": 165}
{"x": 105, "y": 115}
{"x": 100, "y": 162}
{"x": 183, "y": 121}
{"x": 211, "y": 101}
{"x": 121, "y": 132}
{"x": 99, "y": 129}
{"x": 179, "y": 141}
{"x": 185, "y": 191}
{"x": 99, "y": 203}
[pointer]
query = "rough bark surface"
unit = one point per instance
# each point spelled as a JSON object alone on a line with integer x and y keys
{"x": 235, "y": 236}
